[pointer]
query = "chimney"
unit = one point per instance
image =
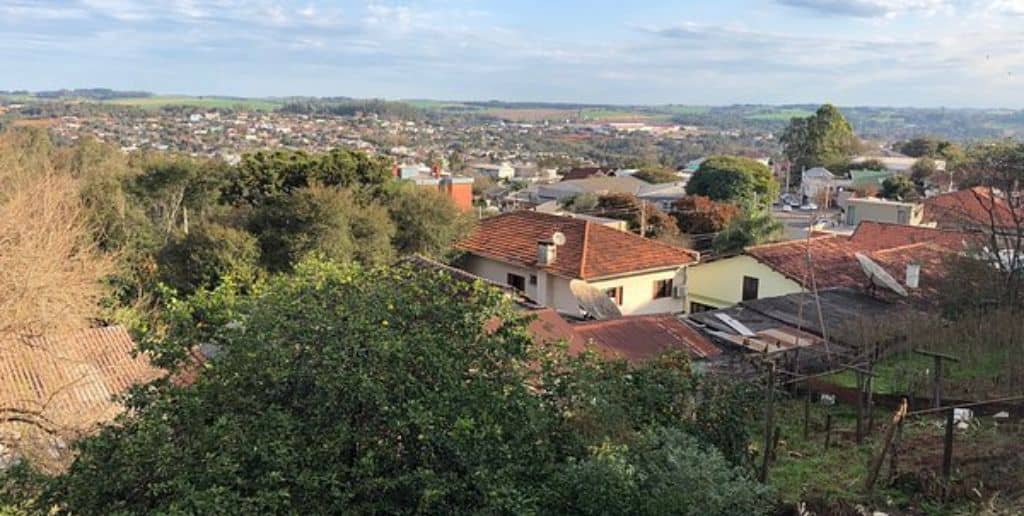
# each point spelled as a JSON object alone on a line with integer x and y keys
{"x": 545, "y": 252}
{"x": 913, "y": 275}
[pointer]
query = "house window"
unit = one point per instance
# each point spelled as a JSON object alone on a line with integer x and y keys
{"x": 700, "y": 307}
{"x": 533, "y": 279}
{"x": 516, "y": 281}
{"x": 663, "y": 288}
{"x": 616, "y": 294}
{"x": 750, "y": 288}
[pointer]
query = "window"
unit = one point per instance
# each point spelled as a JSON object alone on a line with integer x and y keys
{"x": 750, "y": 288}
{"x": 516, "y": 281}
{"x": 700, "y": 307}
{"x": 616, "y": 294}
{"x": 533, "y": 279}
{"x": 663, "y": 288}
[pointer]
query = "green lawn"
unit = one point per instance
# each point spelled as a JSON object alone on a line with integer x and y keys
{"x": 779, "y": 114}
{"x": 158, "y": 102}
{"x": 911, "y": 372}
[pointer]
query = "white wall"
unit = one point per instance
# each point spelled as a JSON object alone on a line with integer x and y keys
{"x": 637, "y": 291}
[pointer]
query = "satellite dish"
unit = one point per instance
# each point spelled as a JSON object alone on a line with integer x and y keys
{"x": 879, "y": 277}
{"x": 558, "y": 238}
{"x": 593, "y": 301}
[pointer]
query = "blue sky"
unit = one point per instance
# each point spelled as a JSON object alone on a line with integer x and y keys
{"x": 852, "y": 52}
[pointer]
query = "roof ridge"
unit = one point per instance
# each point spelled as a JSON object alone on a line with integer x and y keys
{"x": 583, "y": 250}
{"x": 792, "y": 242}
{"x": 904, "y": 247}
{"x": 652, "y": 241}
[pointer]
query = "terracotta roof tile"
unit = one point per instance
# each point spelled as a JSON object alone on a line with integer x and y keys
{"x": 835, "y": 264}
{"x": 642, "y": 337}
{"x": 972, "y": 209}
{"x": 870, "y": 236}
{"x": 591, "y": 250}
{"x": 71, "y": 379}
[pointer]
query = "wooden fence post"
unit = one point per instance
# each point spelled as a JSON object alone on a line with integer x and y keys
{"x": 947, "y": 453}
{"x": 769, "y": 423}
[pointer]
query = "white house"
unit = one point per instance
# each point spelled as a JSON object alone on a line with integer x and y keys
{"x": 501, "y": 171}
{"x": 521, "y": 249}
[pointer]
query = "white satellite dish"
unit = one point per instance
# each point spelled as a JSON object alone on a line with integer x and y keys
{"x": 879, "y": 277}
{"x": 558, "y": 238}
{"x": 594, "y": 301}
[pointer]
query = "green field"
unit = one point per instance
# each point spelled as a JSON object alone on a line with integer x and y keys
{"x": 780, "y": 114}
{"x": 158, "y": 102}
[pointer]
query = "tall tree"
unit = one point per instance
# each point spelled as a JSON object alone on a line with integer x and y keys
{"x": 426, "y": 221}
{"x": 734, "y": 179}
{"x": 824, "y": 139}
{"x": 350, "y": 391}
{"x": 320, "y": 220}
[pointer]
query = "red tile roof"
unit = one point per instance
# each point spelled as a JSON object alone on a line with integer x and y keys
{"x": 835, "y": 264}
{"x": 642, "y": 337}
{"x": 871, "y": 236}
{"x": 972, "y": 209}
{"x": 69, "y": 381}
{"x": 591, "y": 250}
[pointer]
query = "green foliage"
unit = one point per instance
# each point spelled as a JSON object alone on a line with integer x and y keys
{"x": 752, "y": 227}
{"x": 825, "y": 139}
{"x": 426, "y": 221}
{"x": 346, "y": 390}
{"x": 265, "y": 175}
{"x": 206, "y": 254}
{"x": 734, "y": 179}
{"x": 932, "y": 148}
{"x": 581, "y": 202}
{"x": 667, "y": 472}
{"x": 899, "y": 188}
{"x": 657, "y": 174}
{"x": 328, "y": 222}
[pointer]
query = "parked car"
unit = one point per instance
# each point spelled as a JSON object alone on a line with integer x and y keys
{"x": 809, "y": 207}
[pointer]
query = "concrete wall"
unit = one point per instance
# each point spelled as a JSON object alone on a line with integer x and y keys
{"x": 875, "y": 211}
{"x": 719, "y": 283}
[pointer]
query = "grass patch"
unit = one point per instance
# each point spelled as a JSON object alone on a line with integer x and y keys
{"x": 779, "y": 114}
{"x": 158, "y": 102}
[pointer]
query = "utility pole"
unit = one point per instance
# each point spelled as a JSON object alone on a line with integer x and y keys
{"x": 643, "y": 218}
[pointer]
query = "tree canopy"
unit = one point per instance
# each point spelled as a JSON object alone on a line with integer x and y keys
{"x": 824, "y": 139}
{"x": 656, "y": 174}
{"x": 696, "y": 214}
{"x": 735, "y": 180}
{"x": 899, "y": 188}
{"x": 346, "y": 390}
{"x": 752, "y": 227}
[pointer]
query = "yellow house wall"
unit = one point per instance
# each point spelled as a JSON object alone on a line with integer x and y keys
{"x": 719, "y": 283}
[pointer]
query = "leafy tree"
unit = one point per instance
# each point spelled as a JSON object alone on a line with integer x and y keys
{"x": 696, "y": 214}
{"x": 824, "y": 139}
{"x": 928, "y": 147}
{"x": 657, "y": 174}
{"x": 264, "y": 175}
{"x": 326, "y": 221}
{"x": 207, "y": 254}
{"x": 346, "y": 390}
{"x": 667, "y": 472}
{"x": 754, "y": 226}
{"x": 630, "y": 208}
{"x": 734, "y": 179}
{"x": 426, "y": 221}
{"x": 176, "y": 190}
{"x": 581, "y": 203}
{"x": 922, "y": 171}
{"x": 899, "y": 188}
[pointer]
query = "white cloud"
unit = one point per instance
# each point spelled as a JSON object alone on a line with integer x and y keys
{"x": 871, "y": 8}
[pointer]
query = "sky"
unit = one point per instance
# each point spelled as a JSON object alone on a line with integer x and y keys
{"x": 926, "y": 53}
